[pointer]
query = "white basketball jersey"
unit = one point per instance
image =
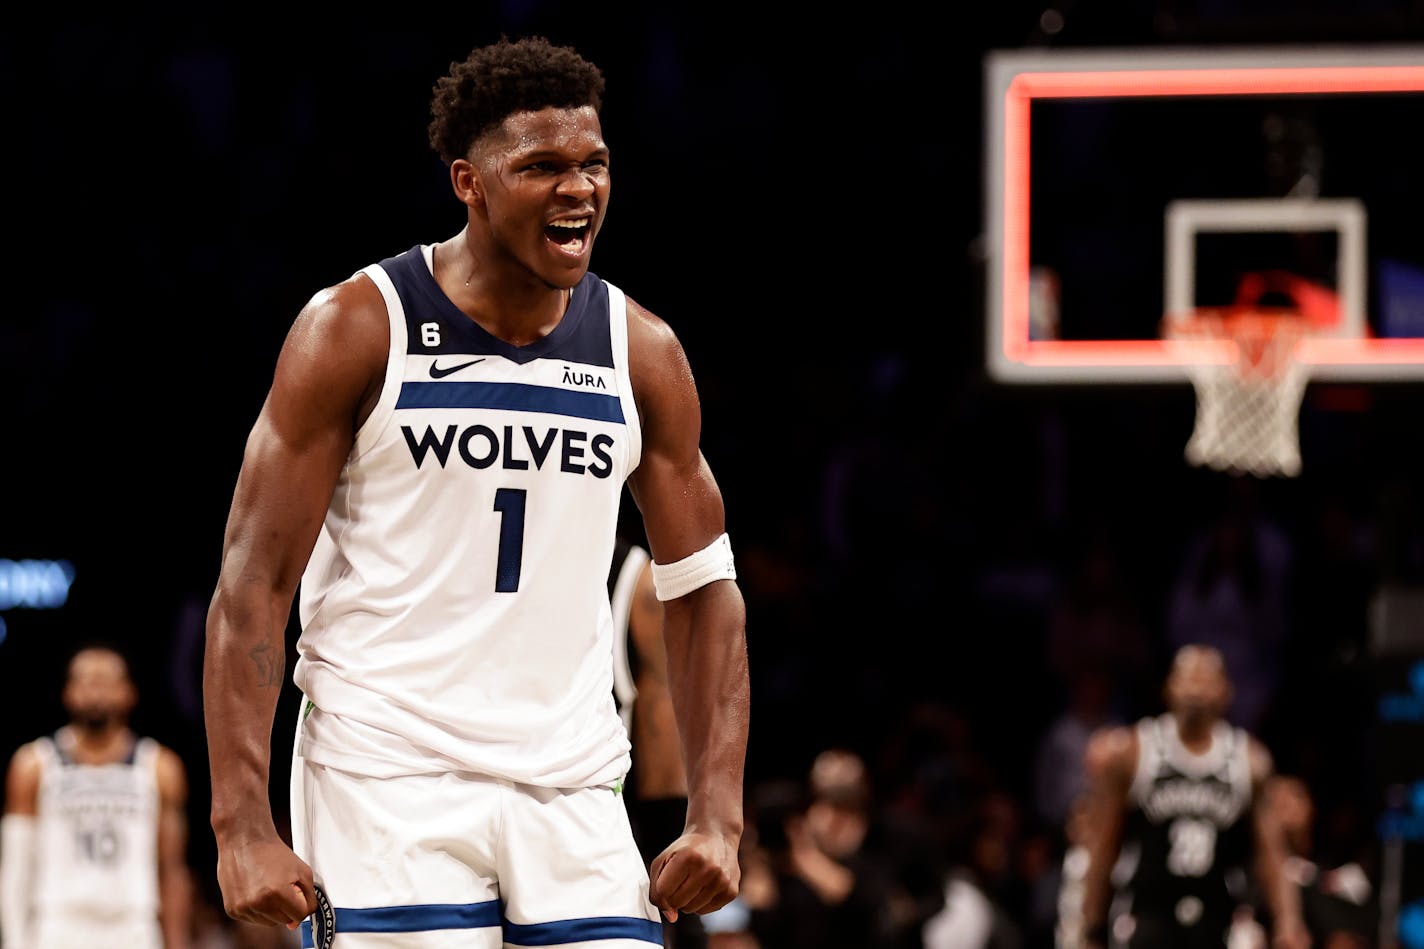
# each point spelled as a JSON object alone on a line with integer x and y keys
{"x": 97, "y": 842}
{"x": 629, "y": 559}
{"x": 455, "y": 613}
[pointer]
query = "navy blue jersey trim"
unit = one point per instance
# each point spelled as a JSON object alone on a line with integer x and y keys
{"x": 59, "y": 751}
{"x": 575, "y": 338}
{"x": 510, "y": 395}
{"x": 65, "y": 758}
{"x": 583, "y": 930}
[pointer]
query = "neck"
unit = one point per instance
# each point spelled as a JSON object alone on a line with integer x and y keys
{"x": 100, "y": 742}
{"x": 1195, "y": 734}
{"x": 511, "y": 306}
{"x": 517, "y": 324}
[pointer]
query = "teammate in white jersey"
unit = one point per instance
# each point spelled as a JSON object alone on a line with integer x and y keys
{"x": 439, "y": 465}
{"x": 95, "y": 829}
{"x": 657, "y": 783}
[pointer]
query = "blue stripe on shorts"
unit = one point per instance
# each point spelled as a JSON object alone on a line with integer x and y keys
{"x": 411, "y": 919}
{"x": 431, "y": 916}
{"x": 583, "y": 930}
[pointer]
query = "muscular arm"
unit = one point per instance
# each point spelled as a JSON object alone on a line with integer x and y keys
{"x": 17, "y": 848}
{"x": 175, "y": 884}
{"x": 657, "y": 749}
{"x": 1109, "y": 762}
{"x": 328, "y": 375}
{"x": 704, "y": 632}
{"x": 1280, "y": 892}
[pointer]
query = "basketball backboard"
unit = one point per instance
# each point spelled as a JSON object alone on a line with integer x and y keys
{"x": 1124, "y": 186}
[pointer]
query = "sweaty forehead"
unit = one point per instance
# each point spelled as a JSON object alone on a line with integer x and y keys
{"x": 549, "y": 129}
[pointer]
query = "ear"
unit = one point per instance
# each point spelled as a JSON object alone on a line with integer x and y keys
{"x": 466, "y": 183}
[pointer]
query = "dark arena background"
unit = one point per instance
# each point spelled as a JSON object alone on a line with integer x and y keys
{"x": 952, "y": 576}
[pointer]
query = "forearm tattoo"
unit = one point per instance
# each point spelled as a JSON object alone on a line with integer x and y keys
{"x": 270, "y": 665}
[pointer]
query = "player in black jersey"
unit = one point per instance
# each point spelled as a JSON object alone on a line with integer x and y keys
{"x": 656, "y": 790}
{"x": 1177, "y": 818}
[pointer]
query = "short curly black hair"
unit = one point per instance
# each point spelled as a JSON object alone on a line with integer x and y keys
{"x": 502, "y": 78}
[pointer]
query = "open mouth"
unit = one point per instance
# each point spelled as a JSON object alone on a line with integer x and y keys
{"x": 571, "y": 235}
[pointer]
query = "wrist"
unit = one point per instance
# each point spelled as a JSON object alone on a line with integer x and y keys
{"x": 237, "y": 826}
{"x": 724, "y": 822}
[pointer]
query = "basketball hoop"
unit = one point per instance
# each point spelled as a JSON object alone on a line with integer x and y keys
{"x": 1249, "y": 386}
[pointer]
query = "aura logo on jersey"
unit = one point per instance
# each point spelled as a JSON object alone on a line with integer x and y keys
{"x": 516, "y": 449}
{"x": 575, "y": 377}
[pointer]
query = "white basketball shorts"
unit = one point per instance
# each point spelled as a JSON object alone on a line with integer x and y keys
{"x": 432, "y": 861}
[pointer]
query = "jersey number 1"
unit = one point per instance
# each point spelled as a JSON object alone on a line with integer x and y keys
{"x": 509, "y": 502}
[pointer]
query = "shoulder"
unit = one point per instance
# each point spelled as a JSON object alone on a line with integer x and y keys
{"x": 1111, "y": 752}
{"x": 22, "y": 778}
{"x": 350, "y": 312}
{"x": 657, "y": 363}
{"x": 650, "y": 337}
{"x": 171, "y": 773}
{"x": 1260, "y": 761}
{"x": 336, "y": 349}
{"x": 27, "y": 758}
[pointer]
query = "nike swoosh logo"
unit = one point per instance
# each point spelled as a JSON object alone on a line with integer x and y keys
{"x": 437, "y": 373}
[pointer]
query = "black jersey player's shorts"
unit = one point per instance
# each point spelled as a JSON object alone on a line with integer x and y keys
{"x": 1165, "y": 931}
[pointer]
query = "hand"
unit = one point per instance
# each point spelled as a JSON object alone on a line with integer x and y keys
{"x": 264, "y": 882}
{"x": 697, "y": 873}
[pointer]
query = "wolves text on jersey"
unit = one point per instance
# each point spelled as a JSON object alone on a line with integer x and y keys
{"x": 480, "y": 446}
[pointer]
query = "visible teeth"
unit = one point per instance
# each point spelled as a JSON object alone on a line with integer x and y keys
{"x": 576, "y": 222}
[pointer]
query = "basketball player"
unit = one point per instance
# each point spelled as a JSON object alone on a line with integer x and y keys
{"x": 656, "y": 790}
{"x": 95, "y": 827}
{"x": 1179, "y": 799}
{"x": 439, "y": 463}
{"x": 1338, "y": 901}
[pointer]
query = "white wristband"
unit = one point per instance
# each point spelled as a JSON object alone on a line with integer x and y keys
{"x": 17, "y": 853}
{"x": 713, "y": 562}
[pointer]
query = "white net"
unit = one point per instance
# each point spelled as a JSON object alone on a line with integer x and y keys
{"x": 1248, "y": 400}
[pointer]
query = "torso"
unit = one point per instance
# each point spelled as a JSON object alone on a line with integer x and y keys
{"x": 455, "y": 612}
{"x": 97, "y": 846}
{"x": 1189, "y": 828}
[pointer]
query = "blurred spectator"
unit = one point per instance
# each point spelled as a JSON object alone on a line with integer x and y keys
{"x": 1058, "y": 765}
{"x": 1231, "y": 594}
{"x": 1329, "y": 686}
{"x": 980, "y": 904}
{"x": 931, "y": 768}
{"x": 891, "y": 851}
{"x": 827, "y": 870}
{"x": 1095, "y": 625}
